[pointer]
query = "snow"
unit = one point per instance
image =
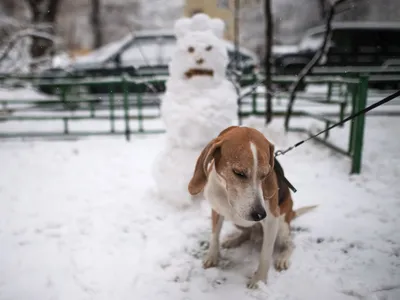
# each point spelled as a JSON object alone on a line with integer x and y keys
{"x": 151, "y": 47}
{"x": 80, "y": 220}
{"x": 194, "y": 108}
{"x": 104, "y": 52}
{"x": 22, "y": 93}
{"x": 61, "y": 60}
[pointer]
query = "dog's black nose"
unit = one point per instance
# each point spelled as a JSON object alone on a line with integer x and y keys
{"x": 258, "y": 214}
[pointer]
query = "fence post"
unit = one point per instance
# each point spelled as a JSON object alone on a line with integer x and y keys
{"x": 359, "y": 125}
{"x": 92, "y": 111}
{"x": 254, "y": 96}
{"x": 354, "y": 95}
{"x": 111, "y": 103}
{"x": 344, "y": 94}
{"x": 329, "y": 95}
{"x": 63, "y": 94}
{"x": 66, "y": 129}
{"x": 126, "y": 108}
{"x": 140, "y": 112}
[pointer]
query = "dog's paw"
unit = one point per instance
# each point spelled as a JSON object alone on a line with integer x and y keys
{"x": 282, "y": 263}
{"x": 211, "y": 260}
{"x": 257, "y": 277}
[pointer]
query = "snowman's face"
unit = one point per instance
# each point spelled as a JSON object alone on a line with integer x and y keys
{"x": 199, "y": 55}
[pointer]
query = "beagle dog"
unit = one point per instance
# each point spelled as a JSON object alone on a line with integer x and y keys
{"x": 239, "y": 176}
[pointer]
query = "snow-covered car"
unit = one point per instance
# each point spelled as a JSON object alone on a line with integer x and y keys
{"x": 145, "y": 53}
{"x": 351, "y": 44}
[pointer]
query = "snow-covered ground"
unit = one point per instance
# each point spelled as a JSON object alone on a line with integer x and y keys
{"x": 79, "y": 220}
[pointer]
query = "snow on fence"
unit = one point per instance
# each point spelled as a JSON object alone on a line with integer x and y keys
{"x": 124, "y": 106}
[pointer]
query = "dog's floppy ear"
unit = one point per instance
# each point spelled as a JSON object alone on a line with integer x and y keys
{"x": 271, "y": 155}
{"x": 269, "y": 149}
{"x": 199, "y": 178}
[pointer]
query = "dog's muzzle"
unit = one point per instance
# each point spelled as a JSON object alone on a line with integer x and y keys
{"x": 258, "y": 213}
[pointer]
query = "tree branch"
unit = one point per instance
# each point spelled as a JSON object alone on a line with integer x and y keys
{"x": 308, "y": 68}
{"x": 268, "y": 50}
{"x": 96, "y": 24}
{"x": 20, "y": 35}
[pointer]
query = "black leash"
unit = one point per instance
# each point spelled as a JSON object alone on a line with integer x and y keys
{"x": 365, "y": 110}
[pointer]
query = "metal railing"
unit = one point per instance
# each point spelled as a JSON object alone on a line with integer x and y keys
{"x": 348, "y": 95}
{"x": 73, "y": 103}
{"x": 124, "y": 107}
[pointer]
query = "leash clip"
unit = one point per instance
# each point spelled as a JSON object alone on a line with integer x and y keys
{"x": 282, "y": 152}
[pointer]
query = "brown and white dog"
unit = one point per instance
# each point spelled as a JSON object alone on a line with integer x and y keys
{"x": 237, "y": 175}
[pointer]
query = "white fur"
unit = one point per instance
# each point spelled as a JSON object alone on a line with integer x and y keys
{"x": 257, "y": 185}
{"x": 285, "y": 243}
{"x": 193, "y": 110}
{"x": 213, "y": 252}
{"x": 270, "y": 230}
{"x": 255, "y": 162}
{"x": 216, "y": 193}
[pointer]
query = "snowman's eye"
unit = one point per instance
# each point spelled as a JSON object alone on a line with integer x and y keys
{"x": 209, "y": 47}
{"x": 190, "y": 49}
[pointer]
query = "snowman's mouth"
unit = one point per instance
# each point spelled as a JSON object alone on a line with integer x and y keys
{"x": 198, "y": 72}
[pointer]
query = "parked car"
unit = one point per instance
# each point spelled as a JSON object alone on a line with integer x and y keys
{"x": 351, "y": 44}
{"x": 145, "y": 53}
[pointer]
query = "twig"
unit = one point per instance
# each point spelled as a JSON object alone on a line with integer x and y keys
{"x": 268, "y": 50}
{"x": 19, "y": 35}
{"x": 308, "y": 68}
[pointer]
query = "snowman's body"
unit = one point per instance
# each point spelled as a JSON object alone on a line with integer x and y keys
{"x": 198, "y": 104}
{"x": 193, "y": 117}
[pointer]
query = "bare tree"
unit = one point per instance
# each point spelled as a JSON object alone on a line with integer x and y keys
{"x": 308, "y": 68}
{"x": 322, "y": 6}
{"x": 8, "y": 6}
{"x": 43, "y": 12}
{"x": 267, "y": 60}
{"x": 95, "y": 21}
{"x": 20, "y": 35}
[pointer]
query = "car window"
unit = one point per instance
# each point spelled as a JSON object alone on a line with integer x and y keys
{"x": 148, "y": 52}
{"x": 168, "y": 48}
{"x": 312, "y": 41}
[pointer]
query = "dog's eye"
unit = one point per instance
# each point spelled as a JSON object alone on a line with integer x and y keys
{"x": 239, "y": 173}
{"x": 208, "y": 48}
{"x": 190, "y": 49}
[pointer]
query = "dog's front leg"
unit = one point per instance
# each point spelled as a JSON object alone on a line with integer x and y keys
{"x": 270, "y": 230}
{"x": 212, "y": 256}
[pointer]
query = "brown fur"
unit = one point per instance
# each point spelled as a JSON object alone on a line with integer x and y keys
{"x": 231, "y": 150}
{"x": 251, "y": 192}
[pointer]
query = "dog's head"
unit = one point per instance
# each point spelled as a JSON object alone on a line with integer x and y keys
{"x": 242, "y": 159}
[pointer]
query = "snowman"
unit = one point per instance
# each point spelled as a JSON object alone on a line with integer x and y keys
{"x": 198, "y": 104}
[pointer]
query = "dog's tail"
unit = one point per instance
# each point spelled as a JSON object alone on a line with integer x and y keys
{"x": 303, "y": 210}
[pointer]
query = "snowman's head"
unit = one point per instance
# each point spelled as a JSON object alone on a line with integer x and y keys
{"x": 200, "y": 56}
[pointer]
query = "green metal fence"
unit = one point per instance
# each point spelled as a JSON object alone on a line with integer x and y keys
{"x": 74, "y": 104}
{"x": 355, "y": 91}
{"x": 123, "y": 107}
{"x": 343, "y": 96}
